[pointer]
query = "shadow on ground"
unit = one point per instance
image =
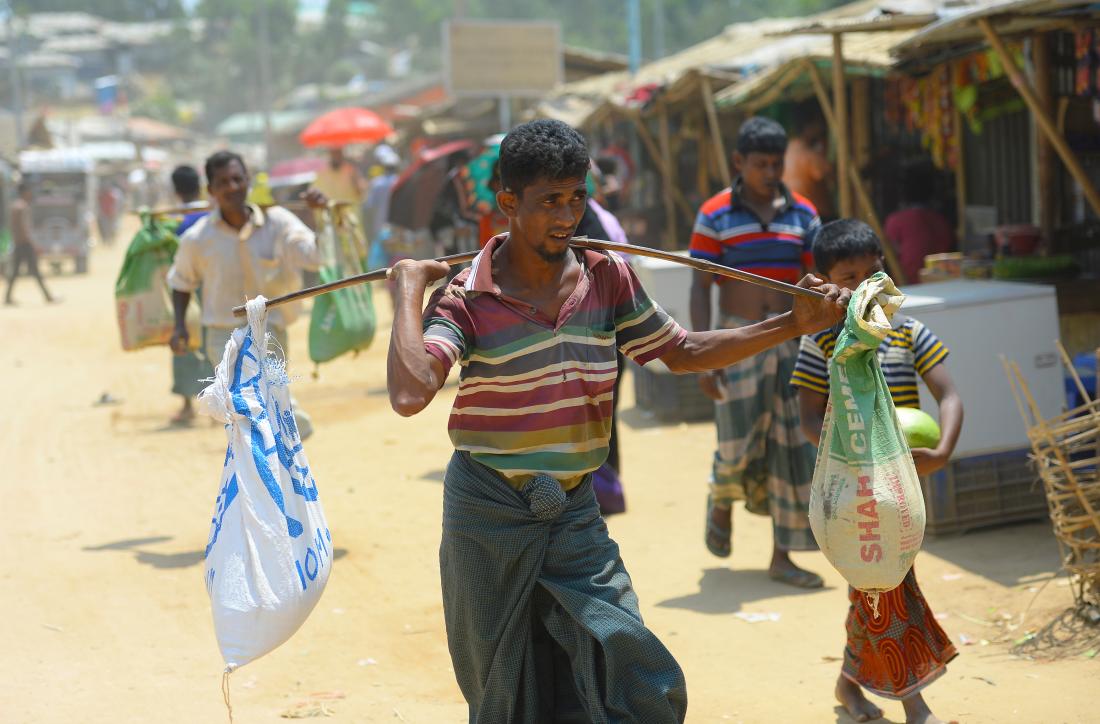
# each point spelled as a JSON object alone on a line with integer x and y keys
{"x": 724, "y": 591}
{"x": 1069, "y": 635}
{"x": 128, "y": 543}
{"x": 843, "y": 717}
{"x": 1034, "y": 552}
{"x": 184, "y": 559}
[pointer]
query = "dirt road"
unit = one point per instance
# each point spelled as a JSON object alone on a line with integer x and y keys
{"x": 107, "y": 508}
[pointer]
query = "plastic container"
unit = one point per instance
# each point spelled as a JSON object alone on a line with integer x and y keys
{"x": 670, "y": 397}
{"x": 983, "y": 490}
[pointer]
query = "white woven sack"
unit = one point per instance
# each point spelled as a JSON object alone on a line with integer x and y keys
{"x": 270, "y": 550}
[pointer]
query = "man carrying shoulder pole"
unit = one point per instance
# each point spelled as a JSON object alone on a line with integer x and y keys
{"x": 542, "y": 620}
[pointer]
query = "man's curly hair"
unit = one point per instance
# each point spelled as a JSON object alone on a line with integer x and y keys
{"x": 546, "y": 149}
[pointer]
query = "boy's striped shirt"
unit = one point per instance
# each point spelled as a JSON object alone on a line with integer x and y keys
{"x": 535, "y": 395}
{"x": 909, "y": 349}
{"x": 729, "y": 233}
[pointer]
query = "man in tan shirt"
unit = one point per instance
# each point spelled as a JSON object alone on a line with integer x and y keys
{"x": 236, "y": 252}
{"x": 23, "y": 251}
{"x": 341, "y": 180}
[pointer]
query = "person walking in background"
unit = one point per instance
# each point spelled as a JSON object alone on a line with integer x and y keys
{"x": 806, "y": 167}
{"x": 108, "y": 202}
{"x": 236, "y": 252}
{"x": 340, "y": 180}
{"x": 757, "y": 225}
{"x": 23, "y": 250}
{"x": 917, "y": 230}
{"x": 376, "y": 206}
{"x": 190, "y": 366}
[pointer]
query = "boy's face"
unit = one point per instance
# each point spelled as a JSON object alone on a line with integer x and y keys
{"x": 760, "y": 173}
{"x": 848, "y": 273}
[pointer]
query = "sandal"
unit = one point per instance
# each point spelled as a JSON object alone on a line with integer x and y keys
{"x": 718, "y": 536}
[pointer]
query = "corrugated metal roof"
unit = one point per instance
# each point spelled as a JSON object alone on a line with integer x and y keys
{"x": 957, "y": 24}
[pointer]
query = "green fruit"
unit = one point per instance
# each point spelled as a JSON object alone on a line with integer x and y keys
{"x": 919, "y": 428}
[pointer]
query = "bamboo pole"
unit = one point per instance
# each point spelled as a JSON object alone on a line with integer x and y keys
{"x": 785, "y": 79}
{"x": 716, "y": 132}
{"x": 960, "y": 177}
{"x": 1040, "y": 50}
{"x": 892, "y": 263}
{"x": 1023, "y": 87}
{"x": 579, "y": 243}
{"x": 840, "y": 108}
{"x": 207, "y": 206}
{"x": 666, "y": 157}
{"x": 702, "y": 168}
{"x": 655, "y": 153}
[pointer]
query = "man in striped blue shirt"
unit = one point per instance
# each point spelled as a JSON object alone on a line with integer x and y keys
{"x": 760, "y": 226}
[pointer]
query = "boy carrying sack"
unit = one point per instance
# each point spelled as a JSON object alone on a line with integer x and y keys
{"x": 899, "y": 649}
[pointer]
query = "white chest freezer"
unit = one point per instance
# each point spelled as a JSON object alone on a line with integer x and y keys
{"x": 980, "y": 321}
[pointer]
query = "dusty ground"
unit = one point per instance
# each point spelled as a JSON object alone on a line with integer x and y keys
{"x": 105, "y": 617}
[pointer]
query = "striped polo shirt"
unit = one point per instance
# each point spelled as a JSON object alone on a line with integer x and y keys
{"x": 535, "y": 394}
{"x": 728, "y": 232}
{"x": 909, "y": 349}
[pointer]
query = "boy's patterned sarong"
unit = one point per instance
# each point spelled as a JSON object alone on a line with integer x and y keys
{"x": 763, "y": 458}
{"x": 900, "y": 652}
{"x": 542, "y": 619}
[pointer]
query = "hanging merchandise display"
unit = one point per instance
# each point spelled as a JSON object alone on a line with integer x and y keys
{"x": 929, "y": 103}
{"x": 1086, "y": 59}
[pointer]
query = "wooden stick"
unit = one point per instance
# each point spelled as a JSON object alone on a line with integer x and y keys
{"x": 716, "y": 132}
{"x": 840, "y": 111}
{"x": 666, "y": 160}
{"x": 960, "y": 177}
{"x": 1073, "y": 372}
{"x": 580, "y": 243}
{"x": 372, "y": 276}
{"x": 818, "y": 83}
{"x": 206, "y": 206}
{"x": 1023, "y": 87}
{"x": 666, "y": 172}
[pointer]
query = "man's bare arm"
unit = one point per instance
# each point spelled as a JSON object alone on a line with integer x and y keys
{"x": 715, "y": 349}
{"x": 413, "y": 376}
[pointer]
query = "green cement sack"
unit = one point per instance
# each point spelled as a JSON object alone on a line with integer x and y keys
{"x": 866, "y": 506}
{"x": 143, "y": 302}
{"x": 342, "y": 321}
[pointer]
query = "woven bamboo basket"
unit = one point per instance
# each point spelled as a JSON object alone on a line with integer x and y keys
{"x": 1066, "y": 450}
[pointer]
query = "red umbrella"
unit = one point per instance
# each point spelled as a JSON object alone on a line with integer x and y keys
{"x": 345, "y": 125}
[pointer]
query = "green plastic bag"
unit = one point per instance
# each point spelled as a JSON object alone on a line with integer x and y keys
{"x": 342, "y": 321}
{"x": 142, "y": 300}
{"x": 866, "y": 505}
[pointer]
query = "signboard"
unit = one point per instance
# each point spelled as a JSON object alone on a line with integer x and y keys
{"x": 502, "y": 58}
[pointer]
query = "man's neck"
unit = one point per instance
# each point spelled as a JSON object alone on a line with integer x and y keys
{"x": 525, "y": 268}
{"x": 236, "y": 217}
